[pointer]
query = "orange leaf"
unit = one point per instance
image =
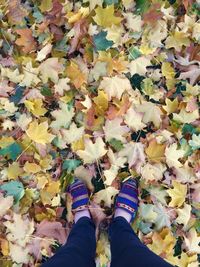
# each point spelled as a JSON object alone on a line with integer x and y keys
{"x": 77, "y": 77}
{"x": 153, "y": 15}
{"x": 26, "y": 40}
{"x": 119, "y": 108}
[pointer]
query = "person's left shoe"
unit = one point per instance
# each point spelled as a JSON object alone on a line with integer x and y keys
{"x": 126, "y": 204}
{"x": 80, "y": 197}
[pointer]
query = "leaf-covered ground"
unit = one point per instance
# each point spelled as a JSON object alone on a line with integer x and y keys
{"x": 101, "y": 90}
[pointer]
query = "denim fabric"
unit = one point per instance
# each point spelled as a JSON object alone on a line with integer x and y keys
{"x": 126, "y": 248}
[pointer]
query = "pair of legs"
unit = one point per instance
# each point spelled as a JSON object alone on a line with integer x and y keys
{"x": 126, "y": 248}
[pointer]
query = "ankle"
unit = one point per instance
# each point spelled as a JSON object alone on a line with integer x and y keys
{"x": 80, "y": 214}
{"x": 123, "y": 213}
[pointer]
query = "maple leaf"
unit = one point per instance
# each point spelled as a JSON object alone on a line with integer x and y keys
{"x": 186, "y": 117}
{"x": 134, "y": 119}
{"x": 153, "y": 14}
{"x": 41, "y": 55}
{"x": 35, "y": 106}
{"x": 77, "y": 77}
{"x": 171, "y": 106}
{"x": 106, "y": 195}
{"x": 163, "y": 218}
{"x": 173, "y": 154}
{"x": 62, "y": 86}
{"x": 52, "y": 230}
{"x": 63, "y": 116}
{"x": 139, "y": 65}
{"x": 5, "y": 204}
{"x": 134, "y": 152}
{"x": 155, "y": 151}
{"x": 16, "y": 12}
{"x": 153, "y": 172}
{"x": 177, "y": 40}
{"x": 101, "y": 102}
{"x": 192, "y": 241}
{"x": 26, "y": 40}
{"x": 162, "y": 242}
{"x": 38, "y": 132}
{"x": 184, "y": 214}
{"x": 147, "y": 212}
{"x": 177, "y": 194}
{"x": 49, "y": 69}
{"x": 151, "y": 113}
{"x": 105, "y": 16}
{"x": 92, "y": 151}
{"x": 19, "y": 230}
{"x": 73, "y": 134}
{"x": 114, "y": 129}
{"x": 115, "y": 86}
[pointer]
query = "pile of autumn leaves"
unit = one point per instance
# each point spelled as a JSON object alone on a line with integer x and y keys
{"x": 124, "y": 101}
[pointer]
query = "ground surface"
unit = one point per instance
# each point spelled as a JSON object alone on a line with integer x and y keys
{"x": 101, "y": 90}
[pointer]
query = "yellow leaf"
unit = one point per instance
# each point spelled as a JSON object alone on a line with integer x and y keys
{"x": 53, "y": 187}
{"x": 167, "y": 70}
{"x": 78, "y": 145}
{"x": 35, "y": 107}
{"x": 41, "y": 181}
{"x": 171, "y": 106}
{"x": 31, "y": 167}
{"x": 38, "y": 132}
{"x": 155, "y": 151}
{"x": 14, "y": 170}
{"x": 6, "y": 141}
{"x": 177, "y": 40}
{"x": 177, "y": 194}
{"x": 113, "y": 64}
{"x": 163, "y": 242}
{"x": 77, "y": 77}
{"x": 4, "y": 247}
{"x": 101, "y": 102}
{"x": 46, "y": 5}
{"x": 82, "y": 13}
{"x": 105, "y": 16}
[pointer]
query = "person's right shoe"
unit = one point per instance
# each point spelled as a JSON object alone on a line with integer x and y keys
{"x": 127, "y": 198}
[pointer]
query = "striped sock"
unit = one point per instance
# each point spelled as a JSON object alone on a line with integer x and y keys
{"x": 127, "y": 199}
{"x": 79, "y": 195}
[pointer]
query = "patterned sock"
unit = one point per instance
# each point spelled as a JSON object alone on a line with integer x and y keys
{"x": 127, "y": 200}
{"x": 79, "y": 193}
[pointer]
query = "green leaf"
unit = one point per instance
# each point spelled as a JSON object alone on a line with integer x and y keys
{"x": 13, "y": 188}
{"x": 145, "y": 227}
{"x": 45, "y": 91}
{"x": 134, "y": 53}
{"x": 136, "y": 81}
{"x": 178, "y": 247}
{"x": 142, "y": 6}
{"x": 188, "y": 129}
{"x": 110, "y": 2}
{"x": 100, "y": 41}
{"x": 70, "y": 164}
{"x": 116, "y": 144}
{"x": 12, "y": 151}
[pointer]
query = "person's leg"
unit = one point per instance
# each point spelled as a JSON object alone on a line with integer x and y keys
{"x": 126, "y": 248}
{"x": 80, "y": 247}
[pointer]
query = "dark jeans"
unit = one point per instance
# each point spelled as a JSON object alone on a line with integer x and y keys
{"x": 126, "y": 248}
